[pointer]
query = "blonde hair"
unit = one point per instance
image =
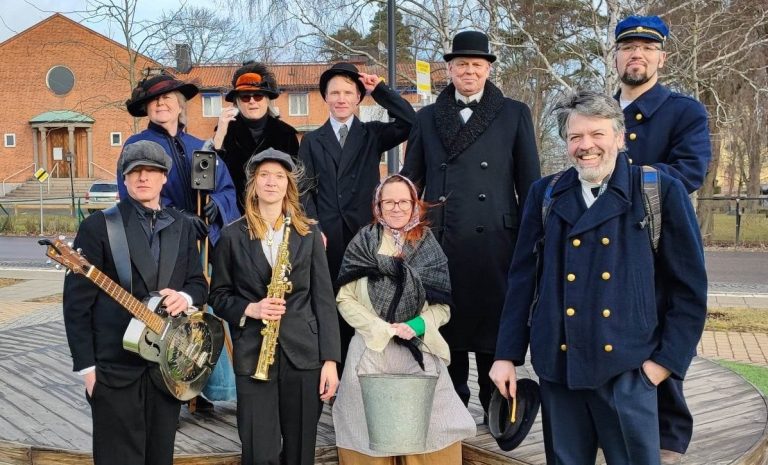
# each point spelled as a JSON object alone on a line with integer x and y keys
{"x": 257, "y": 225}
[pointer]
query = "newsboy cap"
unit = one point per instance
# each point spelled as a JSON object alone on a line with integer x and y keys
{"x": 144, "y": 153}
{"x": 509, "y": 434}
{"x": 642, "y": 27}
{"x": 269, "y": 154}
{"x": 472, "y": 44}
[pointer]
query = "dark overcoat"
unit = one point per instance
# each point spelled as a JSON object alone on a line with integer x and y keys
{"x": 95, "y": 323}
{"x": 669, "y": 131}
{"x": 597, "y": 313}
{"x": 479, "y": 173}
{"x": 239, "y": 145}
{"x": 343, "y": 180}
{"x": 309, "y": 329}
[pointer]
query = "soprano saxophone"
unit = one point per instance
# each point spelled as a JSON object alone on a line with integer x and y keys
{"x": 278, "y": 287}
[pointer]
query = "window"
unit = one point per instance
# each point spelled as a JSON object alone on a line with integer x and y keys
{"x": 60, "y": 80}
{"x": 298, "y": 104}
{"x": 211, "y": 105}
{"x": 10, "y": 140}
{"x": 116, "y": 139}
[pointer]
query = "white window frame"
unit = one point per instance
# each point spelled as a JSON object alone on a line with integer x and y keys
{"x": 119, "y": 139}
{"x": 211, "y": 98}
{"x": 292, "y": 110}
{"x": 12, "y": 135}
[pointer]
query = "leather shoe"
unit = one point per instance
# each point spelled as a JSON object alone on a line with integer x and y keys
{"x": 670, "y": 457}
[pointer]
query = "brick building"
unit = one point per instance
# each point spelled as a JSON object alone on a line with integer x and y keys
{"x": 65, "y": 86}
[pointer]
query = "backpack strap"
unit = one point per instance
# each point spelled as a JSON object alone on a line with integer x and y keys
{"x": 652, "y": 204}
{"x": 118, "y": 243}
{"x": 546, "y": 203}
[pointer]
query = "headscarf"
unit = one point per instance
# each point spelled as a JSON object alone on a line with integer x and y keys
{"x": 397, "y": 234}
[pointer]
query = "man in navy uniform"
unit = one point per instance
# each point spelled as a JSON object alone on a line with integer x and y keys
{"x": 669, "y": 131}
{"x": 583, "y": 290}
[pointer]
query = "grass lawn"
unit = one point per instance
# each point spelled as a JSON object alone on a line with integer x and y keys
{"x": 753, "y": 231}
{"x": 754, "y": 374}
{"x": 737, "y": 319}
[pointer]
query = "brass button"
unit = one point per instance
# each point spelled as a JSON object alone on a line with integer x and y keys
{"x": 570, "y": 311}
{"x": 640, "y": 29}
{"x": 576, "y": 242}
{"x": 606, "y": 313}
{"x": 632, "y": 136}
{"x": 639, "y": 116}
{"x": 608, "y": 348}
{"x": 563, "y": 347}
{"x": 605, "y": 241}
{"x": 606, "y": 276}
{"x": 571, "y": 277}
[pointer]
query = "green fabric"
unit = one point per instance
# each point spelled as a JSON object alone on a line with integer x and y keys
{"x": 417, "y": 325}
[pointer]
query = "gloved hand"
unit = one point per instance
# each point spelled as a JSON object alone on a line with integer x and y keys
{"x": 211, "y": 211}
{"x": 198, "y": 225}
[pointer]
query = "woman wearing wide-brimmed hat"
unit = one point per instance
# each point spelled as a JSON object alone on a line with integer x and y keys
{"x": 163, "y": 99}
{"x": 250, "y": 126}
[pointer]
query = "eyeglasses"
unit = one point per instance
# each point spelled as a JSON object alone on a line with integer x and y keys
{"x": 644, "y": 48}
{"x": 389, "y": 205}
{"x": 245, "y": 98}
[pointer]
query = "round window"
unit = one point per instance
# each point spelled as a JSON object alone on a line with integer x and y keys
{"x": 60, "y": 80}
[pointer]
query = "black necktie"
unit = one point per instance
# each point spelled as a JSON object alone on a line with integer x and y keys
{"x": 595, "y": 191}
{"x": 463, "y": 104}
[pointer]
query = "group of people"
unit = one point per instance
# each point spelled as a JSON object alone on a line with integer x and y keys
{"x": 465, "y": 250}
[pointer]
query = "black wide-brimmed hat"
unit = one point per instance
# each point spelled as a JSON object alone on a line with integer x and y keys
{"x": 506, "y": 433}
{"x": 470, "y": 44}
{"x": 150, "y": 88}
{"x": 253, "y": 78}
{"x": 341, "y": 69}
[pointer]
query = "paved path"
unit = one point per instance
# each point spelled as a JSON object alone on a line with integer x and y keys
{"x": 18, "y": 309}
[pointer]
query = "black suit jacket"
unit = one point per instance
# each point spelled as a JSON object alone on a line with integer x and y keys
{"x": 344, "y": 179}
{"x": 94, "y": 322}
{"x": 309, "y": 329}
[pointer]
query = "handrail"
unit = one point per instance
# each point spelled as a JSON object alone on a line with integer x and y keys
{"x": 34, "y": 168}
{"x": 55, "y": 170}
{"x": 110, "y": 173}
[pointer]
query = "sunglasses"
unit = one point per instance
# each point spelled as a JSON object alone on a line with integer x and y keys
{"x": 245, "y": 98}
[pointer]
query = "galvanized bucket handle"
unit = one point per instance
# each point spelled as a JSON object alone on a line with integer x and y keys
{"x": 435, "y": 357}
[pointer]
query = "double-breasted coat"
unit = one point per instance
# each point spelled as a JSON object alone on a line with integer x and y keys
{"x": 479, "y": 174}
{"x": 343, "y": 179}
{"x": 669, "y": 131}
{"x": 309, "y": 329}
{"x": 597, "y": 314}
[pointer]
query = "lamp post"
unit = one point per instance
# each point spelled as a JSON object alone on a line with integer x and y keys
{"x": 70, "y": 157}
{"x": 393, "y": 158}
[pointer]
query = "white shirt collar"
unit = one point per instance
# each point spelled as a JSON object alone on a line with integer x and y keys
{"x": 476, "y": 96}
{"x": 336, "y": 124}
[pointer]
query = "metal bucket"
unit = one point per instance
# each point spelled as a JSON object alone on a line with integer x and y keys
{"x": 397, "y": 410}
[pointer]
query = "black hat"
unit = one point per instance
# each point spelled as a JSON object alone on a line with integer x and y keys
{"x": 343, "y": 69}
{"x": 641, "y": 27}
{"x": 269, "y": 154}
{"x": 507, "y": 434}
{"x": 253, "y": 78}
{"x": 470, "y": 44}
{"x": 150, "y": 88}
{"x": 144, "y": 153}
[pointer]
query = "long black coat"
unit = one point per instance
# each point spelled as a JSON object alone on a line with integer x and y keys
{"x": 480, "y": 172}
{"x": 239, "y": 145}
{"x": 309, "y": 330}
{"x": 344, "y": 179}
{"x": 94, "y": 322}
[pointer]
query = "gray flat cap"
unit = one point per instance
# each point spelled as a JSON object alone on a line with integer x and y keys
{"x": 270, "y": 155}
{"x": 145, "y": 153}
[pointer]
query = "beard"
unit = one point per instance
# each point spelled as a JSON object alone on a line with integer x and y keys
{"x": 636, "y": 79}
{"x": 597, "y": 173}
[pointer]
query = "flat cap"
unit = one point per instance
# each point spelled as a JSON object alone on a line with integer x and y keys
{"x": 269, "y": 154}
{"x": 144, "y": 153}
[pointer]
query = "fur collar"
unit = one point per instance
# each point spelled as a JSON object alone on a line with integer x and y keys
{"x": 455, "y": 136}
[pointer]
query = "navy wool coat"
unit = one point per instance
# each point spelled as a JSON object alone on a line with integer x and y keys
{"x": 597, "y": 314}
{"x": 669, "y": 131}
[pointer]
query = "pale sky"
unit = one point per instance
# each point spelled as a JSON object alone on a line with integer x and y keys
{"x": 18, "y": 15}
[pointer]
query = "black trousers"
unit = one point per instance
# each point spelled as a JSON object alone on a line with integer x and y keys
{"x": 335, "y": 256}
{"x": 675, "y": 419}
{"x": 459, "y": 371}
{"x": 277, "y": 419}
{"x": 133, "y": 425}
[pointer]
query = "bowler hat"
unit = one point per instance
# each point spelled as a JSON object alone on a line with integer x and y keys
{"x": 269, "y": 154}
{"x": 150, "y": 88}
{"x": 510, "y": 434}
{"x": 254, "y": 78}
{"x": 470, "y": 44}
{"x": 341, "y": 69}
{"x": 144, "y": 153}
{"x": 642, "y": 27}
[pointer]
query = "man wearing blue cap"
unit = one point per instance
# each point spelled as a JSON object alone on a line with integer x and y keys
{"x": 669, "y": 131}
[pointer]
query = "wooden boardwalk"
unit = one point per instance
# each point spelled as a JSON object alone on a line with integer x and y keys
{"x": 44, "y": 418}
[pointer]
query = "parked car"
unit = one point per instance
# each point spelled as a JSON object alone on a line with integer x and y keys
{"x": 102, "y": 194}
